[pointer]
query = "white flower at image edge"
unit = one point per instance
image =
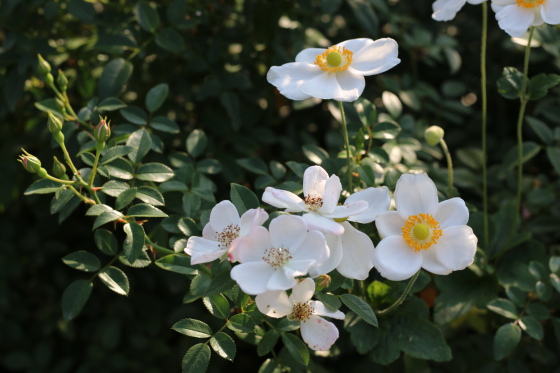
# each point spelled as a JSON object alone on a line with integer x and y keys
{"x": 516, "y": 16}
{"x": 445, "y": 10}
{"x": 318, "y": 333}
{"x": 334, "y": 73}
{"x": 272, "y": 259}
{"x": 221, "y": 235}
{"x": 423, "y": 233}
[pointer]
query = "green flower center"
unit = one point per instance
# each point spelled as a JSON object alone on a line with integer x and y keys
{"x": 421, "y": 231}
{"x": 334, "y": 59}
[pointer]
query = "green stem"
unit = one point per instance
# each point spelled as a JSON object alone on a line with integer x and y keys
{"x": 68, "y": 182}
{"x": 158, "y": 248}
{"x": 81, "y": 196}
{"x": 347, "y": 145}
{"x": 484, "y": 94}
{"x": 94, "y": 168}
{"x": 103, "y": 268}
{"x": 402, "y": 297}
{"x": 449, "y": 168}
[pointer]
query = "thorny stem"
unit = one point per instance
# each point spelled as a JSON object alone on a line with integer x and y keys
{"x": 158, "y": 248}
{"x": 347, "y": 145}
{"x": 395, "y": 305}
{"x": 484, "y": 94}
{"x": 449, "y": 168}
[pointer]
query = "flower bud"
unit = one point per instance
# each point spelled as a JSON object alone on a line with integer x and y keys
{"x": 323, "y": 281}
{"x": 30, "y": 162}
{"x": 433, "y": 135}
{"x": 43, "y": 67}
{"x": 54, "y": 124}
{"x": 102, "y": 132}
{"x": 62, "y": 81}
{"x": 58, "y": 169}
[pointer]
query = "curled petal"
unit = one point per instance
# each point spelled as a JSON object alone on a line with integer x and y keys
{"x": 202, "y": 250}
{"x": 319, "y": 309}
{"x": 274, "y": 303}
{"x": 395, "y": 260}
{"x": 314, "y": 179}
{"x": 378, "y": 200}
{"x": 415, "y": 194}
{"x": 283, "y": 199}
{"x": 333, "y": 187}
{"x": 357, "y": 254}
{"x": 318, "y": 333}
{"x": 372, "y": 57}
{"x": 222, "y": 215}
{"x": 334, "y": 243}
{"x": 252, "y": 218}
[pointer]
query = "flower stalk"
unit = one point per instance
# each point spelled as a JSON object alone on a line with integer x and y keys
{"x": 403, "y": 296}
{"x": 347, "y": 145}
{"x": 484, "y": 96}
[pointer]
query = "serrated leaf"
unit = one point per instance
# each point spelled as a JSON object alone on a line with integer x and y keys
{"x": 141, "y": 142}
{"x": 142, "y": 261}
{"x": 157, "y": 172}
{"x": 297, "y": 349}
{"x": 134, "y": 241}
{"x": 115, "y": 279}
{"x": 267, "y": 342}
{"x": 503, "y": 307}
{"x": 243, "y": 198}
{"x": 223, "y": 345}
{"x": 115, "y": 75}
{"x": 150, "y": 195}
{"x": 106, "y": 242}
{"x": 196, "y": 359}
{"x": 360, "y": 308}
{"x": 106, "y": 217}
{"x": 156, "y": 97}
{"x": 505, "y": 340}
{"x": 75, "y": 297}
{"x": 177, "y": 263}
{"x": 115, "y": 152}
{"x": 532, "y": 327}
{"x": 331, "y": 301}
{"x": 146, "y": 211}
{"x": 221, "y": 283}
{"x": 82, "y": 261}
{"x": 196, "y": 143}
{"x": 60, "y": 200}
{"x": 218, "y": 306}
{"x": 97, "y": 210}
{"x": 193, "y": 328}
{"x": 42, "y": 186}
{"x": 242, "y": 323}
{"x": 113, "y": 188}
{"x": 120, "y": 168}
{"x": 125, "y": 198}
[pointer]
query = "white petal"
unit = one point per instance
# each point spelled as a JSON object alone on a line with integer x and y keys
{"x": 298, "y": 267}
{"x": 431, "y": 263}
{"x": 289, "y": 78}
{"x": 222, "y": 215}
{"x": 344, "y": 211}
{"x": 331, "y": 195}
{"x": 283, "y": 199}
{"x": 309, "y": 55}
{"x": 319, "y": 223}
{"x": 550, "y": 12}
{"x": 378, "y": 200}
{"x": 389, "y": 223}
{"x": 202, "y": 250}
{"x": 395, "y": 260}
{"x": 323, "y": 86}
{"x": 334, "y": 243}
{"x": 355, "y": 45}
{"x": 314, "y": 179}
{"x": 280, "y": 280}
{"x": 274, "y": 303}
{"x": 288, "y": 232}
{"x": 452, "y": 212}
{"x": 314, "y": 248}
{"x": 515, "y": 20}
{"x": 352, "y": 83}
{"x": 321, "y": 310}
{"x": 252, "y": 277}
{"x": 251, "y": 247}
{"x": 456, "y": 247}
{"x": 415, "y": 194}
{"x": 303, "y": 291}
{"x": 374, "y": 57}
{"x": 357, "y": 254}
{"x": 475, "y": 2}
{"x": 209, "y": 233}
{"x": 445, "y": 10}
{"x": 252, "y": 218}
{"x": 318, "y": 333}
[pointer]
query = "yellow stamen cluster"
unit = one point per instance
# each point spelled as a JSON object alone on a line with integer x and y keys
{"x": 529, "y": 3}
{"x": 277, "y": 258}
{"x": 225, "y": 237}
{"x": 302, "y": 311}
{"x": 421, "y": 231}
{"x": 334, "y": 60}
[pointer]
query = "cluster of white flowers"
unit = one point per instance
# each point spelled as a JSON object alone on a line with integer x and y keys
{"x": 316, "y": 238}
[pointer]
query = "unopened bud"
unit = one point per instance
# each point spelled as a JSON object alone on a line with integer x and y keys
{"x": 323, "y": 281}
{"x": 62, "y": 81}
{"x": 54, "y": 124}
{"x": 433, "y": 135}
{"x": 30, "y": 162}
{"x": 102, "y": 132}
{"x": 43, "y": 67}
{"x": 58, "y": 169}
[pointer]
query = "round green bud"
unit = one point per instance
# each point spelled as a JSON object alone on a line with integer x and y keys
{"x": 62, "y": 81}
{"x": 323, "y": 281}
{"x": 54, "y": 124}
{"x": 102, "y": 131}
{"x": 43, "y": 67}
{"x": 30, "y": 162}
{"x": 334, "y": 59}
{"x": 433, "y": 135}
{"x": 58, "y": 169}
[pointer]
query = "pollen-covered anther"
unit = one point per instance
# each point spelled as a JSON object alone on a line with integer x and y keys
{"x": 421, "y": 231}
{"x": 529, "y": 3}
{"x": 334, "y": 60}
{"x": 277, "y": 257}
{"x": 302, "y": 311}
{"x": 313, "y": 202}
{"x": 225, "y": 237}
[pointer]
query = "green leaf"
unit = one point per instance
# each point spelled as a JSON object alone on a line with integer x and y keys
{"x": 538, "y": 310}
{"x": 209, "y": 166}
{"x": 177, "y": 263}
{"x": 114, "y": 188}
{"x": 243, "y": 198}
{"x": 146, "y": 211}
{"x": 150, "y": 195}
{"x": 156, "y": 97}
{"x": 60, "y": 200}
{"x": 75, "y": 297}
{"x": 221, "y": 283}
{"x": 365, "y": 15}
{"x": 331, "y": 301}
{"x": 193, "y": 328}
{"x": 196, "y": 143}
{"x": 554, "y": 263}
{"x": 517, "y": 296}
{"x": 218, "y": 306}
{"x": 541, "y": 129}
{"x": 532, "y": 327}
{"x": 50, "y": 105}
{"x": 504, "y": 307}
{"x": 106, "y": 242}
{"x": 555, "y": 281}
{"x": 110, "y": 104}
{"x": 115, "y": 152}
{"x": 142, "y": 261}
{"x": 364, "y": 336}
{"x": 191, "y": 204}
{"x": 115, "y": 279}
{"x": 164, "y": 124}
{"x": 297, "y": 349}
{"x": 267, "y": 342}
{"x": 392, "y": 103}
{"x": 82, "y": 261}
{"x": 278, "y": 170}
{"x": 134, "y": 115}
{"x": 146, "y": 16}
{"x": 315, "y": 154}
{"x": 255, "y": 165}
{"x": 223, "y": 345}
{"x": 141, "y": 143}
{"x": 360, "y": 307}
{"x": 544, "y": 290}
{"x": 125, "y": 198}
{"x": 120, "y": 168}
{"x": 505, "y": 340}
{"x": 553, "y": 154}
{"x": 115, "y": 75}
{"x": 170, "y": 40}
{"x": 188, "y": 227}
{"x": 157, "y": 172}
{"x": 106, "y": 217}
{"x": 241, "y": 323}
{"x": 134, "y": 241}
{"x": 540, "y": 84}
{"x": 530, "y": 149}
{"x": 230, "y": 102}
{"x": 510, "y": 83}
{"x": 196, "y": 359}
{"x": 42, "y": 186}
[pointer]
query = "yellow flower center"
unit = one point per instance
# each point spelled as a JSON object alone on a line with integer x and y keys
{"x": 301, "y": 311}
{"x": 529, "y": 3}
{"x": 334, "y": 60}
{"x": 421, "y": 231}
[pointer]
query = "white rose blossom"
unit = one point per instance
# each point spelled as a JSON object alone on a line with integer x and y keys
{"x": 445, "y": 10}
{"x": 221, "y": 235}
{"x": 318, "y": 333}
{"x": 423, "y": 233}
{"x": 334, "y": 73}
{"x": 516, "y": 16}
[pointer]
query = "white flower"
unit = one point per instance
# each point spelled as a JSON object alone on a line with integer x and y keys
{"x": 516, "y": 16}
{"x": 318, "y": 333}
{"x": 445, "y": 10}
{"x": 423, "y": 233}
{"x": 271, "y": 259}
{"x": 221, "y": 235}
{"x": 334, "y": 73}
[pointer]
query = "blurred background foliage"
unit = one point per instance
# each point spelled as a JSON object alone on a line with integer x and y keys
{"x": 214, "y": 56}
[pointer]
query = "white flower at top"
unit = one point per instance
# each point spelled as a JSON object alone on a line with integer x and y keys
{"x": 334, "y": 73}
{"x": 318, "y": 333}
{"x": 272, "y": 259}
{"x": 445, "y": 10}
{"x": 423, "y": 233}
{"x": 516, "y": 16}
{"x": 220, "y": 235}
